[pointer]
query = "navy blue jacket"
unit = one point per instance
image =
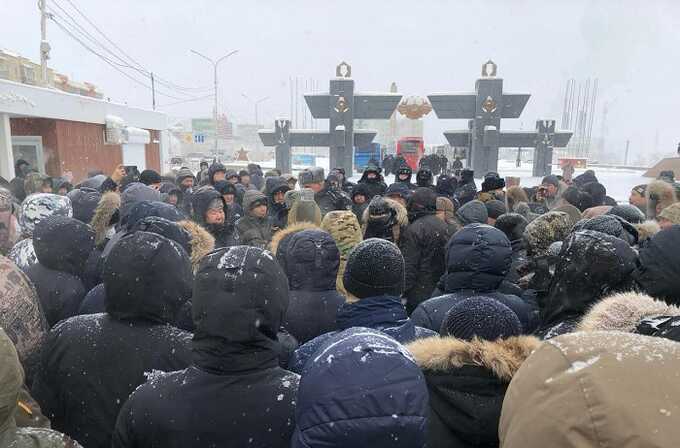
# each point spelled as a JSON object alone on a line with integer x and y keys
{"x": 478, "y": 258}
{"x": 383, "y": 313}
{"x": 361, "y": 388}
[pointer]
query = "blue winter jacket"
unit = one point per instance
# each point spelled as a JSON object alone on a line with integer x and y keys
{"x": 361, "y": 388}
{"x": 383, "y": 313}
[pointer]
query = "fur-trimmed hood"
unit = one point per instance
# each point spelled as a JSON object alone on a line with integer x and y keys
{"x": 401, "y": 212}
{"x": 659, "y": 192}
{"x": 646, "y": 230}
{"x": 384, "y": 218}
{"x": 502, "y": 357}
{"x": 202, "y": 242}
{"x": 108, "y": 205}
{"x": 624, "y": 312}
{"x": 290, "y": 230}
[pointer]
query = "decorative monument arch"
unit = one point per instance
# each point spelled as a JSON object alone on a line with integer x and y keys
{"x": 484, "y": 109}
{"x": 341, "y": 106}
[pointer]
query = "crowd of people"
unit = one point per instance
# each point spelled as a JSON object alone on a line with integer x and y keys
{"x": 263, "y": 309}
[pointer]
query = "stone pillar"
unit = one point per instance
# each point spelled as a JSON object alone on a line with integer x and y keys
{"x": 342, "y": 120}
{"x": 283, "y": 150}
{"x": 6, "y": 153}
{"x": 487, "y": 123}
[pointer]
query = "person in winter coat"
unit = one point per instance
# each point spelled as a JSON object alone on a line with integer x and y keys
{"x": 91, "y": 364}
{"x": 446, "y": 212}
{"x": 550, "y": 192}
{"x": 472, "y": 212}
{"x": 360, "y": 200}
{"x": 468, "y": 370}
{"x": 386, "y": 219}
{"x": 21, "y": 169}
{"x": 345, "y": 185}
{"x": 361, "y": 388}
{"x": 84, "y": 202}
{"x": 446, "y": 186}
{"x": 239, "y": 300}
{"x": 255, "y": 228}
{"x": 9, "y": 226}
{"x": 513, "y": 226}
{"x": 216, "y": 173}
{"x": 21, "y": 316}
{"x": 374, "y": 280}
{"x": 403, "y": 175}
{"x": 232, "y": 209}
{"x": 425, "y": 179}
{"x": 374, "y": 182}
{"x": 344, "y": 227}
{"x": 585, "y": 390}
{"x": 327, "y": 198}
{"x": 478, "y": 258}
{"x": 275, "y": 189}
{"x": 11, "y": 406}
{"x": 467, "y": 189}
{"x": 312, "y": 261}
{"x": 256, "y": 176}
{"x": 423, "y": 245}
{"x": 399, "y": 192}
{"x": 659, "y": 195}
{"x": 633, "y": 312}
{"x": 37, "y": 183}
{"x": 62, "y": 246}
{"x": 302, "y": 207}
{"x": 658, "y": 270}
{"x": 185, "y": 181}
{"x": 591, "y": 265}
{"x": 208, "y": 208}
{"x": 34, "y": 209}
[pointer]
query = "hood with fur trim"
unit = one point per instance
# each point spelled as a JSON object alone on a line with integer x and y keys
{"x": 624, "y": 312}
{"x": 290, "y": 230}
{"x": 467, "y": 381}
{"x": 344, "y": 227}
{"x": 660, "y": 193}
{"x": 108, "y": 205}
{"x": 502, "y": 357}
{"x": 646, "y": 230}
{"x": 202, "y": 242}
{"x": 384, "y": 218}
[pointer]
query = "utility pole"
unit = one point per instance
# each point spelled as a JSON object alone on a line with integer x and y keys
{"x": 215, "y": 63}
{"x": 44, "y": 45}
{"x": 153, "y": 91}
{"x": 625, "y": 161}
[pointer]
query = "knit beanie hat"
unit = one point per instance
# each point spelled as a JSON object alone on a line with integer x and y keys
{"x": 551, "y": 180}
{"x": 495, "y": 208}
{"x": 630, "y": 213}
{"x": 473, "y": 211}
{"x": 375, "y": 267}
{"x": 481, "y": 317}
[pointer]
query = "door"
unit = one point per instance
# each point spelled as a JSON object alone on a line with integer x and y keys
{"x": 30, "y": 149}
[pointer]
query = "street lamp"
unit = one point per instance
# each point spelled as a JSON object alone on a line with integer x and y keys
{"x": 256, "y": 103}
{"x": 215, "y": 63}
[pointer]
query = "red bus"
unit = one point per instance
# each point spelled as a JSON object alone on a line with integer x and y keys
{"x": 412, "y": 149}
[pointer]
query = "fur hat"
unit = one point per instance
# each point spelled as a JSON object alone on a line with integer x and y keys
{"x": 671, "y": 213}
{"x": 512, "y": 224}
{"x": 545, "y": 230}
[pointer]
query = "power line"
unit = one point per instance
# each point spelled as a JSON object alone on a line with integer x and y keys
{"x": 128, "y": 61}
{"x": 109, "y": 62}
{"x": 187, "y": 101}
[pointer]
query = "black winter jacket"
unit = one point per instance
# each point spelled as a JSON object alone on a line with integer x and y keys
{"x": 90, "y": 364}
{"x": 312, "y": 261}
{"x": 592, "y": 265}
{"x": 658, "y": 272}
{"x": 234, "y": 393}
{"x": 225, "y": 234}
{"x": 62, "y": 246}
{"x": 477, "y": 259}
{"x": 467, "y": 381}
{"x": 423, "y": 244}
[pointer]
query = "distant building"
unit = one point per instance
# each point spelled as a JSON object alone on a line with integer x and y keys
{"x": 14, "y": 67}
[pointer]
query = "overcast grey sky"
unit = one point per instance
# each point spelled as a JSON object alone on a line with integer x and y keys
{"x": 424, "y": 46}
